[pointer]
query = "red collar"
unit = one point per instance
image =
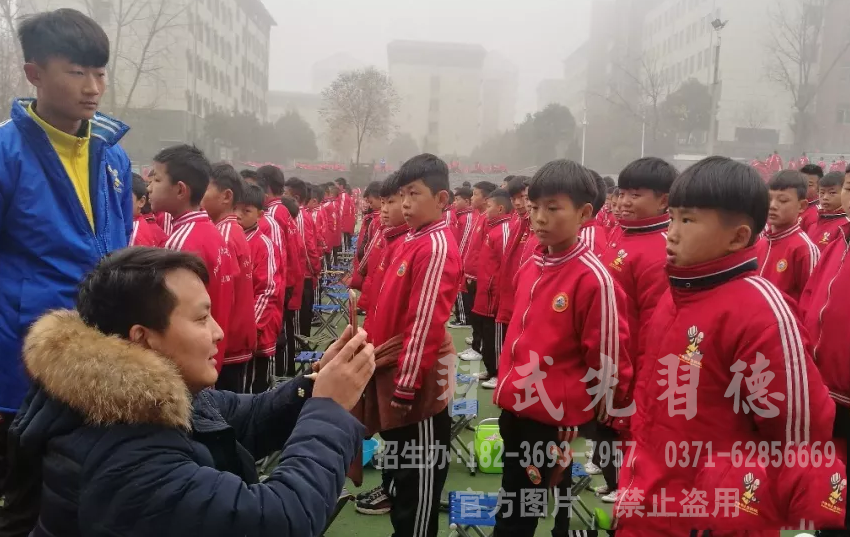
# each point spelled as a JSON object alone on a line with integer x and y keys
{"x": 646, "y": 225}
{"x": 832, "y": 214}
{"x": 771, "y": 236}
{"x": 274, "y": 203}
{"x": 426, "y": 229}
{"x": 397, "y": 231}
{"x": 229, "y": 219}
{"x": 464, "y": 211}
{"x": 493, "y": 222}
{"x": 543, "y": 258}
{"x": 589, "y": 223}
{"x": 713, "y": 273}
{"x": 191, "y": 216}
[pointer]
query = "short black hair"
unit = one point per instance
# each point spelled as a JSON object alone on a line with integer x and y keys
{"x": 812, "y": 169}
{"x": 431, "y": 169}
{"x": 516, "y": 186}
{"x": 464, "y": 192}
{"x": 187, "y": 164}
{"x": 831, "y": 179}
{"x": 316, "y": 192}
{"x": 248, "y": 174}
{"x": 225, "y": 177}
{"x": 63, "y": 33}
{"x": 601, "y": 192}
{"x": 298, "y": 188}
{"x": 273, "y": 178}
{"x": 331, "y": 188}
{"x": 343, "y": 184}
{"x": 789, "y": 180}
{"x": 563, "y": 177}
{"x": 485, "y": 186}
{"x": 140, "y": 190}
{"x": 253, "y": 195}
{"x": 466, "y": 184}
{"x": 127, "y": 287}
{"x": 610, "y": 184}
{"x": 649, "y": 172}
{"x": 391, "y": 186}
{"x": 373, "y": 190}
{"x": 724, "y": 185}
{"x": 291, "y": 205}
{"x": 503, "y": 198}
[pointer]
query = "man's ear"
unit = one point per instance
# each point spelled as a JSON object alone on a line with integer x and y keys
{"x": 139, "y": 335}
{"x": 33, "y": 73}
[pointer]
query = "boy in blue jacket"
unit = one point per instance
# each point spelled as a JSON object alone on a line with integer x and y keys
{"x": 65, "y": 186}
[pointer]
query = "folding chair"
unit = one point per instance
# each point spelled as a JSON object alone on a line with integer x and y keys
{"x": 306, "y": 359}
{"x": 470, "y": 511}
{"x": 463, "y": 410}
{"x": 328, "y": 316}
{"x": 341, "y": 300}
{"x": 581, "y": 483}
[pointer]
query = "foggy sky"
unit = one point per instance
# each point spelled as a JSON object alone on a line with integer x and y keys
{"x": 536, "y": 35}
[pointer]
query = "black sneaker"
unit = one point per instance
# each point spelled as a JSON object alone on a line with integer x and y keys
{"x": 457, "y": 324}
{"x": 376, "y": 504}
{"x": 368, "y": 493}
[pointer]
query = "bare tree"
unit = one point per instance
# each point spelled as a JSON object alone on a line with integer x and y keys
{"x": 362, "y": 102}
{"x": 13, "y": 82}
{"x": 753, "y": 114}
{"x": 794, "y": 47}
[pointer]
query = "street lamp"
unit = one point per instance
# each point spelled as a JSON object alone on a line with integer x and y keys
{"x": 718, "y": 26}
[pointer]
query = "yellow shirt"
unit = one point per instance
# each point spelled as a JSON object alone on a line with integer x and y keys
{"x": 73, "y": 151}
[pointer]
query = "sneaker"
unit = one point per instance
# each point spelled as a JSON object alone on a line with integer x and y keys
{"x": 457, "y": 324}
{"x": 369, "y": 493}
{"x": 592, "y": 469}
{"x": 468, "y": 340}
{"x": 588, "y": 455}
{"x": 481, "y": 375}
{"x": 376, "y": 504}
{"x": 611, "y": 497}
{"x": 490, "y": 384}
{"x": 470, "y": 355}
{"x": 601, "y": 490}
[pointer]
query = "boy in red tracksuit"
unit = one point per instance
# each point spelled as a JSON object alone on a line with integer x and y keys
{"x": 268, "y": 287}
{"x": 831, "y": 214}
{"x": 220, "y": 199}
{"x": 813, "y": 174}
{"x": 825, "y": 310}
{"x": 726, "y": 362}
{"x": 635, "y": 255}
{"x": 165, "y": 222}
{"x": 498, "y": 212}
{"x": 368, "y": 227}
{"x": 470, "y": 264}
{"x": 449, "y": 213}
{"x": 465, "y": 218}
{"x": 787, "y": 256}
{"x": 592, "y": 232}
{"x": 565, "y": 363}
{"x": 517, "y": 238}
{"x": 333, "y": 216}
{"x": 297, "y": 190}
{"x": 145, "y": 233}
{"x": 407, "y": 399}
{"x": 179, "y": 181}
{"x": 347, "y": 212}
{"x": 314, "y": 208}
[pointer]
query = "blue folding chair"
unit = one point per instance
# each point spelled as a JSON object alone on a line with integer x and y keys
{"x": 470, "y": 511}
{"x": 305, "y": 359}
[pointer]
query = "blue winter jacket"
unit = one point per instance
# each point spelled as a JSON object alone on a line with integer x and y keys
{"x": 46, "y": 242}
{"x": 121, "y": 448}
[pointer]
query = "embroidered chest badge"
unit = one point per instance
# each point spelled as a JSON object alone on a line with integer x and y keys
{"x": 692, "y": 354}
{"x": 835, "y": 497}
{"x": 782, "y": 265}
{"x": 561, "y": 302}
{"x": 617, "y": 264}
{"x": 825, "y": 238}
{"x": 116, "y": 181}
{"x": 402, "y": 269}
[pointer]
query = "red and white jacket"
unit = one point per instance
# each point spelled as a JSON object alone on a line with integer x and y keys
{"x": 825, "y": 230}
{"x": 194, "y": 232}
{"x": 787, "y": 259}
{"x": 374, "y": 266}
{"x": 267, "y": 292}
{"x": 147, "y": 233}
{"x": 476, "y": 240}
{"x": 466, "y": 220}
{"x": 809, "y": 217}
{"x": 605, "y": 217}
{"x": 594, "y": 235}
{"x": 716, "y": 327}
{"x": 318, "y": 217}
{"x": 242, "y": 331}
{"x": 825, "y": 310}
{"x": 269, "y": 227}
{"x": 367, "y": 230}
{"x": 450, "y": 217}
{"x": 567, "y": 321}
{"x": 299, "y": 250}
{"x": 165, "y": 222}
{"x": 490, "y": 259}
{"x": 307, "y": 229}
{"x": 333, "y": 229}
{"x": 415, "y": 300}
{"x": 636, "y": 255}
{"x": 519, "y": 234}
{"x": 295, "y": 259}
{"x": 348, "y": 215}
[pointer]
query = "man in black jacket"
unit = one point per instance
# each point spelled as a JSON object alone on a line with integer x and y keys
{"x": 128, "y": 440}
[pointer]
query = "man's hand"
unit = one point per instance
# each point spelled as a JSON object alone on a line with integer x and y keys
{"x": 337, "y": 346}
{"x": 344, "y": 377}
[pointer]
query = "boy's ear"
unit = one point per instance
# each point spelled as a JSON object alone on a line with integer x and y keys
{"x": 665, "y": 201}
{"x": 586, "y": 212}
{"x": 33, "y": 73}
{"x": 228, "y": 197}
{"x": 183, "y": 190}
{"x": 804, "y": 204}
{"x": 741, "y": 236}
{"x": 442, "y": 199}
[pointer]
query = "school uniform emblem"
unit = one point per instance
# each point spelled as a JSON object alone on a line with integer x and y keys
{"x": 825, "y": 238}
{"x": 402, "y": 269}
{"x": 116, "y": 181}
{"x": 561, "y": 302}
{"x": 533, "y": 474}
{"x": 692, "y": 355}
{"x": 617, "y": 264}
{"x": 748, "y": 498}
{"x": 782, "y": 265}
{"x": 835, "y": 497}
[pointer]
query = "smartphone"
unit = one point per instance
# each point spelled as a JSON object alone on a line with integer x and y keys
{"x": 352, "y": 309}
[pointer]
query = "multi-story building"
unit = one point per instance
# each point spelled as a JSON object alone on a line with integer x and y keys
{"x": 440, "y": 87}
{"x": 177, "y": 61}
{"x": 832, "y": 108}
{"x": 498, "y": 95}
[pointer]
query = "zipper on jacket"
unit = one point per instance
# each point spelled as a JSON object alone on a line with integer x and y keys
{"x": 521, "y": 332}
{"x": 828, "y": 295}
{"x": 767, "y": 257}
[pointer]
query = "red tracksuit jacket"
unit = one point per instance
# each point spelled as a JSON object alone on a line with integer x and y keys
{"x": 594, "y": 235}
{"x": 166, "y": 222}
{"x": 567, "y": 319}
{"x": 636, "y": 256}
{"x": 194, "y": 232}
{"x": 375, "y": 263}
{"x": 268, "y": 288}
{"x": 364, "y": 237}
{"x": 606, "y": 219}
{"x": 299, "y": 250}
{"x": 825, "y": 311}
{"x": 318, "y": 217}
{"x": 809, "y": 217}
{"x": 333, "y": 230}
{"x": 242, "y": 331}
{"x": 787, "y": 259}
{"x": 307, "y": 229}
{"x": 716, "y": 327}
{"x": 463, "y": 230}
{"x": 490, "y": 260}
{"x": 479, "y": 231}
{"x": 520, "y": 230}
{"x": 295, "y": 265}
{"x": 826, "y": 229}
{"x": 348, "y": 216}
{"x": 530, "y": 246}
{"x": 415, "y": 300}
{"x": 270, "y": 228}
{"x": 146, "y": 233}
{"x": 451, "y": 218}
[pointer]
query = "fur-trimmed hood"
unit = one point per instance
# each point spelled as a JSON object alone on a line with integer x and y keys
{"x": 105, "y": 379}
